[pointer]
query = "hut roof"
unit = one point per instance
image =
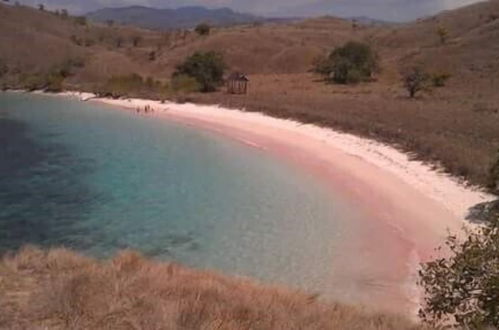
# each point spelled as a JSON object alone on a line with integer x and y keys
{"x": 237, "y": 76}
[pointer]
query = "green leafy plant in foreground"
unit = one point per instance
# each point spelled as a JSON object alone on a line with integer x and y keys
{"x": 463, "y": 289}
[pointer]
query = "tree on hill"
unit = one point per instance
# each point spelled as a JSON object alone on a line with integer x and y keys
{"x": 352, "y": 63}
{"x": 415, "y": 80}
{"x": 41, "y": 7}
{"x": 206, "y": 67}
{"x": 203, "y": 29}
{"x": 463, "y": 289}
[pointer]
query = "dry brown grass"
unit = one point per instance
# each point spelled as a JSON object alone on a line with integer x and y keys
{"x": 58, "y": 289}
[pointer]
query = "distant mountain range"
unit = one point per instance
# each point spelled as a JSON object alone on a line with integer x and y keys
{"x": 184, "y": 17}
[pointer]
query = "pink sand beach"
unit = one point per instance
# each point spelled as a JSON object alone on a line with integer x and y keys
{"x": 410, "y": 206}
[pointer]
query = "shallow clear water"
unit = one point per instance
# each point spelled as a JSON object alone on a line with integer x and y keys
{"x": 98, "y": 179}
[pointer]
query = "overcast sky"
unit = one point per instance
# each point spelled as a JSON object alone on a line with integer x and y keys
{"x": 395, "y": 10}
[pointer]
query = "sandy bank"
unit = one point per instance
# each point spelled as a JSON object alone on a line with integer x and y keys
{"x": 410, "y": 206}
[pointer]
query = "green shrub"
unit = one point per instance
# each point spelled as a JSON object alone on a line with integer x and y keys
{"x": 440, "y": 79}
{"x": 207, "y": 68}
{"x": 352, "y": 63}
{"x": 119, "y": 86}
{"x": 415, "y": 80}
{"x": 462, "y": 290}
{"x": 184, "y": 83}
{"x": 203, "y": 29}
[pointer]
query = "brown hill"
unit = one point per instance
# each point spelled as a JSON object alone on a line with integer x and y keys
{"x": 456, "y": 125}
{"x": 58, "y": 289}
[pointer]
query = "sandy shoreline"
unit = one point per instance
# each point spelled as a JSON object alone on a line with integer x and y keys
{"x": 412, "y": 206}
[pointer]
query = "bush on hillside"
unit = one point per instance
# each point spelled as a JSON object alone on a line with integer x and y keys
{"x": 51, "y": 81}
{"x": 463, "y": 289}
{"x": 415, "y": 80}
{"x": 207, "y": 68}
{"x": 131, "y": 85}
{"x": 203, "y": 29}
{"x": 352, "y": 63}
{"x": 443, "y": 34}
{"x": 185, "y": 84}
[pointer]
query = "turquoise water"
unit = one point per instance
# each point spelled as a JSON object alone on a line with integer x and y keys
{"x": 98, "y": 179}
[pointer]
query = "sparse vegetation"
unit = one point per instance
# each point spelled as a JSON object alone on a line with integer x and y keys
{"x": 352, "y": 63}
{"x": 443, "y": 34}
{"x": 415, "y": 80}
{"x": 463, "y": 289}
{"x": 59, "y": 289}
{"x": 80, "y": 20}
{"x": 136, "y": 40}
{"x": 152, "y": 56}
{"x": 493, "y": 181}
{"x": 203, "y": 29}
{"x": 439, "y": 79}
{"x": 118, "y": 42}
{"x": 185, "y": 84}
{"x": 206, "y": 67}
{"x": 3, "y": 69}
{"x": 131, "y": 85}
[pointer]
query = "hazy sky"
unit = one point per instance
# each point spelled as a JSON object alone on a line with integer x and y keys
{"x": 397, "y": 10}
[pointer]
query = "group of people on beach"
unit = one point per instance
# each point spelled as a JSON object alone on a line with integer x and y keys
{"x": 147, "y": 109}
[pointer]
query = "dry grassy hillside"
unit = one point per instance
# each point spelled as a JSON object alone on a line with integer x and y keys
{"x": 457, "y": 125}
{"x": 58, "y": 289}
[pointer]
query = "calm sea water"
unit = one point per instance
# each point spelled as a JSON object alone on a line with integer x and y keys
{"x": 97, "y": 179}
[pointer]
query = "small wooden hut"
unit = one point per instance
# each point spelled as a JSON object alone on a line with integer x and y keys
{"x": 237, "y": 83}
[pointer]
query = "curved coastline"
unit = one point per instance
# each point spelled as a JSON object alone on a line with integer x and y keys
{"x": 410, "y": 207}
